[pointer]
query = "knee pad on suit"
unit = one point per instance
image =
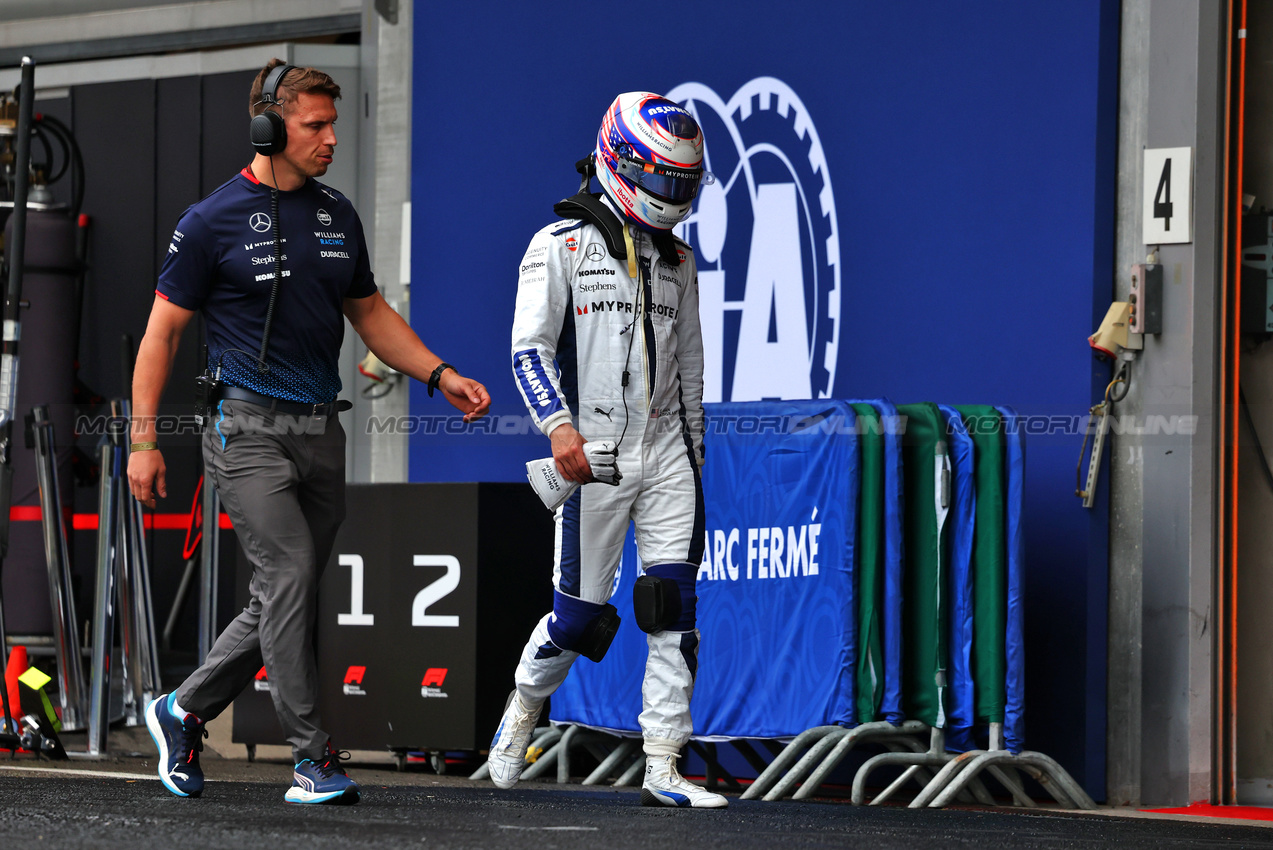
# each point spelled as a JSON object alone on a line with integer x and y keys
{"x": 587, "y": 628}
{"x": 664, "y": 599}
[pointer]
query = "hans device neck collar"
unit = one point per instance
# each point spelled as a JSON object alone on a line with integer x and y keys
{"x": 587, "y": 206}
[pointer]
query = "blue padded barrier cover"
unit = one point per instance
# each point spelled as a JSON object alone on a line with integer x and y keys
{"x": 870, "y": 562}
{"x": 961, "y": 710}
{"x": 778, "y": 648}
{"x": 1014, "y": 690}
{"x": 894, "y": 557}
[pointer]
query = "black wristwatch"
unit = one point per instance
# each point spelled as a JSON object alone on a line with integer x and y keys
{"x": 437, "y": 376}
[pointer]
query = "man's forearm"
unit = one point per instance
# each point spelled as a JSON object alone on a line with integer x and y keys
{"x": 392, "y": 340}
{"x": 150, "y": 376}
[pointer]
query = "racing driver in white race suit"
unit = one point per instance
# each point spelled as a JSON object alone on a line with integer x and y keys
{"x": 606, "y": 347}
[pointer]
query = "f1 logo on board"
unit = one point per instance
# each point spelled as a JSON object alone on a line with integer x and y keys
{"x": 767, "y": 244}
{"x": 262, "y": 681}
{"x": 353, "y": 682}
{"x": 431, "y": 684}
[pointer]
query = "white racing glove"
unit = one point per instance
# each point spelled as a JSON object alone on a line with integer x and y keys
{"x": 553, "y": 490}
{"x": 549, "y": 486}
{"x": 603, "y": 459}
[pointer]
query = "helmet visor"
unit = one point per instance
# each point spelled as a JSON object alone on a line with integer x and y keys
{"x": 675, "y": 185}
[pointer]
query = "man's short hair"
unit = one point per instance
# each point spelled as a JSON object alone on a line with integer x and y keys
{"x": 293, "y": 83}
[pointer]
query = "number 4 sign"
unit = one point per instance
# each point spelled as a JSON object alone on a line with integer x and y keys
{"x": 1168, "y": 197}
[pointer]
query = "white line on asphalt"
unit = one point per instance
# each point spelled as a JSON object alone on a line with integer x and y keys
{"x": 102, "y": 774}
{"x": 552, "y": 828}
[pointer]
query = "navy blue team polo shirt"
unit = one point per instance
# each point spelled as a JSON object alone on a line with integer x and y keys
{"x": 221, "y": 261}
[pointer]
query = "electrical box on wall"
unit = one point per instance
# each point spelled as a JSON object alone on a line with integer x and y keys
{"x": 1146, "y": 299}
{"x": 1257, "y": 273}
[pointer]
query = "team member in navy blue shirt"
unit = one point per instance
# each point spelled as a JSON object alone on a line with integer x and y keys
{"x": 274, "y": 446}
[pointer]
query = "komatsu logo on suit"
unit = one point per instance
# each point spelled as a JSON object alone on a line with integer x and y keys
{"x": 767, "y": 244}
{"x": 537, "y": 388}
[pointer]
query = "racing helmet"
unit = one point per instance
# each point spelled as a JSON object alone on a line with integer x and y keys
{"x": 649, "y": 159}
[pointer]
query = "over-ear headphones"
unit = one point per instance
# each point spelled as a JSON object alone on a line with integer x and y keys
{"x": 268, "y": 131}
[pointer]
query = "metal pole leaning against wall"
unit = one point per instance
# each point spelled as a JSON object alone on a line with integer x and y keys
{"x": 126, "y": 577}
{"x": 137, "y": 618}
{"x": 210, "y": 558}
{"x": 123, "y": 589}
{"x": 152, "y": 684}
{"x": 15, "y": 257}
{"x": 57, "y": 556}
{"x": 111, "y": 456}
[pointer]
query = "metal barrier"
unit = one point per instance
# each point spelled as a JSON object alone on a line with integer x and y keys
{"x": 964, "y": 768}
{"x": 552, "y": 746}
{"x": 827, "y": 747}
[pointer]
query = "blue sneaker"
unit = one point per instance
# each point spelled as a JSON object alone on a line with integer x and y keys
{"x": 180, "y": 739}
{"x": 323, "y": 781}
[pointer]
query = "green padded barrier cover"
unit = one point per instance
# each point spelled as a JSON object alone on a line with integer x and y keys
{"x": 926, "y": 468}
{"x": 870, "y": 564}
{"x": 989, "y": 562}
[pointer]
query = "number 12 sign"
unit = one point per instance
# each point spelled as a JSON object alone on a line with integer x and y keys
{"x": 1168, "y": 195}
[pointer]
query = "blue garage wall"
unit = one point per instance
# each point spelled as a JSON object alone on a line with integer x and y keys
{"x": 949, "y": 174}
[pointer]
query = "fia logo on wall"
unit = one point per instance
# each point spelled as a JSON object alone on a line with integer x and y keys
{"x": 767, "y": 244}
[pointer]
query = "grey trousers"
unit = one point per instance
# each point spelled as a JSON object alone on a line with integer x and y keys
{"x": 282, "y": 481}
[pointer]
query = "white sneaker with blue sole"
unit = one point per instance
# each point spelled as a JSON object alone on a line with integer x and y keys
{"x": 664, "y": 786}
{"x": 507, "y": 758}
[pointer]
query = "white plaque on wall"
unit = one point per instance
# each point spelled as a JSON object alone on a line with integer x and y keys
{"x": 1168, "y": 195}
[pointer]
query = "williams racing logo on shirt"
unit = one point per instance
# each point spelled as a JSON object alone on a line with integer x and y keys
{"x": 328, "y": 237}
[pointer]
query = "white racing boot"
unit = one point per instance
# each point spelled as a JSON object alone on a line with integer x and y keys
{"x": 507, "y": 758}
{"x": 664, "y": 786}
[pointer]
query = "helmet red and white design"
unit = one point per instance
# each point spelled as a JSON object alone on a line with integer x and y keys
{"x": 650, "y": 159}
